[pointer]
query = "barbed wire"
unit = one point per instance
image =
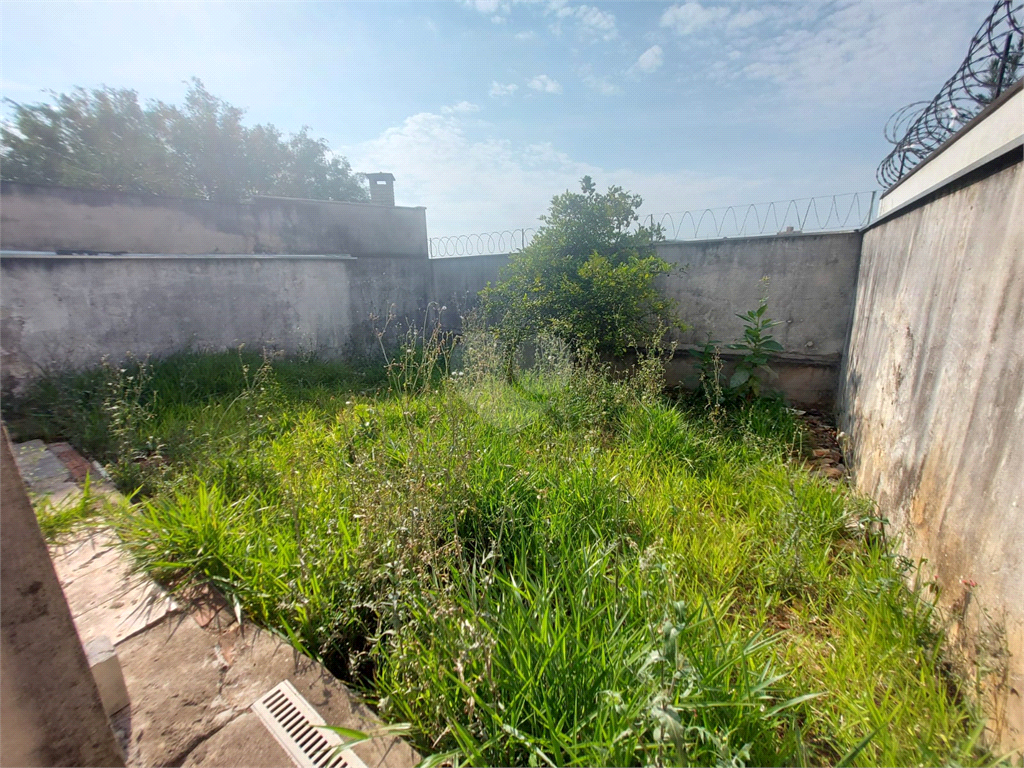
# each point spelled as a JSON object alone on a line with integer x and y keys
{"x": 852, "y": 210}
{"x": 481, "y": 243}
{"x": 993, "y": 63}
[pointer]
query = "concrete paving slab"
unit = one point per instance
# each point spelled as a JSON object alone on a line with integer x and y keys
{"x": 43, "y": 472}
{"x": 105, "y": 597}
{"x": 242, "y": 742}
{"x": 126, "y": 613}
{"x": 174, "y": 714}
{"x": 80, "y": 555}
{"x": 174, "y": 679}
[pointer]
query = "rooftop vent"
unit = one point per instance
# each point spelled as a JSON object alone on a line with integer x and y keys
{"x": 382, "y": 188}
{"x": 293, "y": 722}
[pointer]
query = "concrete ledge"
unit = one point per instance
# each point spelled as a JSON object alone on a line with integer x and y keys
{"x": 52, "y": 712}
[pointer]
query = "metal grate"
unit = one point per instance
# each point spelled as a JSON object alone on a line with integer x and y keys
{"x": 293, "y": 722}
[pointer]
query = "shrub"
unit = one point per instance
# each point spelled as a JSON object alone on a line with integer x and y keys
{"x": 587, "y": 277}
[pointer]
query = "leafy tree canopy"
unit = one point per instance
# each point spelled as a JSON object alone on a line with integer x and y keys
{"x": 105, "y": 139}
{"x": 587, "y": 276}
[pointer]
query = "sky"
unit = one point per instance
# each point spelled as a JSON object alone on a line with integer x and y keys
{"x": 485, "y": 109}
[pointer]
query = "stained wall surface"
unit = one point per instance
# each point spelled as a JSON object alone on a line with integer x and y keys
{"x": 932, "y": 396}
{"x": 37, "y": 218}
{"x": 72, "y": 312}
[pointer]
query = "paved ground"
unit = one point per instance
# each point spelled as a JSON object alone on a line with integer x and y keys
{"x": 192, "y": 671}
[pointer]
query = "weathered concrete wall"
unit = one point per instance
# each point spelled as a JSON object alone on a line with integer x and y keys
{"x": 812, "y": 284}
{"x": 57, "y": 219}
{"x": 72, "y": 311}
{"x": 932, "y": 397}
{"x": 456, "y": 283}
{"x": 52, "y": 713}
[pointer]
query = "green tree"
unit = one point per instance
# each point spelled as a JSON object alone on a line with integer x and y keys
{"x": 587, "y": 277}
{"x": 105, "y": 139}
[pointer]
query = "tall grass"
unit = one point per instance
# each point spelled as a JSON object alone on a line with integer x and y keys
{"x": 563, "y": 570}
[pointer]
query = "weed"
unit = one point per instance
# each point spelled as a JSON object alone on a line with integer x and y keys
{"x": 757, "y": 345}
{"x": 60, "y": 520}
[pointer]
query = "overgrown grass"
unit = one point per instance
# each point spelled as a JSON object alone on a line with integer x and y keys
{"x": 565, "y": 571}
{"x": 60, "y": 520}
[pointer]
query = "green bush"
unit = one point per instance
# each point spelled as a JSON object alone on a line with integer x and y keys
{"x": 587, "y": 277}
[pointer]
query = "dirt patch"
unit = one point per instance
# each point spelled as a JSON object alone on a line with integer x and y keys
{"x": 825, "y": 455}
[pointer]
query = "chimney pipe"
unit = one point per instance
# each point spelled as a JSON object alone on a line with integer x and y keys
{"x": 382, "y": 188}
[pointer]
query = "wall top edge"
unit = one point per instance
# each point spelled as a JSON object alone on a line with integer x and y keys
{"x": 50, "y": 256}
{"x": 157, "y": 199}
{"x": 775, "y": 236}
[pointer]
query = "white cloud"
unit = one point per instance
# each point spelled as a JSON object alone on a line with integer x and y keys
{"x": 592, "y": 21}
{"x": 486, "y": 6}
{"x": 599, "y": 84}
{"x": 650, "y": 60}
{"x": 745, "y": 19}
{"x": 690, "y": 17}
{"x": 598, "y": 22}
{"x": 545, "y": 84}
{"x": 500, "y": 89}
{"x": 860, "y": 52}
{"x": 461, "y": 108}
{"x": 528, "y": 35}
{"x": 492, "y": 184}
{"x": 805, "y": 55}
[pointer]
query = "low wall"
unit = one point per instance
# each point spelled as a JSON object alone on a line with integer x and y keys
{"x": 35, "y": 218}
{"x": 72, "y": 311}
{"x": 812, "y": 285}
{"x": 932, "y": 397}
{"x": 52, "y": 712}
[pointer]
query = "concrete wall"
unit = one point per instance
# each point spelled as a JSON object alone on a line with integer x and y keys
{"x": 812, "y": 284}
{"x": 457, "y": 281}
{"x": 52, "y": 713}
{"x": 932, "y": 396}
{"x": 36, "y": 218}
{"x": 72, "y": 311}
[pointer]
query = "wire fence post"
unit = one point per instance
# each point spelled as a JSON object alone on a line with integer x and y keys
{"x": 1002, "y": 65}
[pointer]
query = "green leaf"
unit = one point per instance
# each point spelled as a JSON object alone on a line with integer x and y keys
{"x": 432, "y": 761}
{"x": 773, "y": 345}
{"x": 850, "y": 756}
{"x": 791, "y": 703}
{"x": 739, "y": 378}
{"x": 354, "y": 737}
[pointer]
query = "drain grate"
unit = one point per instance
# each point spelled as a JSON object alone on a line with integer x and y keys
{"x": 293, "y": 722}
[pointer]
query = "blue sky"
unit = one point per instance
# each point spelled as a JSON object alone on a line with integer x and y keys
{"x": 483, "y": 110}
